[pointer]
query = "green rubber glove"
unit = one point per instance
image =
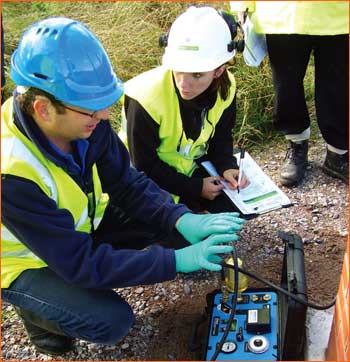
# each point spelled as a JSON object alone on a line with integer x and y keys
{"x": 203, "y": 255}
{"x": 196, "y": 227}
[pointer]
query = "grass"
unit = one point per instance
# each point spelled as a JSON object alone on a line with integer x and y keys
{"x": 129, "y": 31}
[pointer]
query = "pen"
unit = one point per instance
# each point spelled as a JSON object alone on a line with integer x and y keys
{"x": 245, "y": 15}
{"x": 240, "y": 168}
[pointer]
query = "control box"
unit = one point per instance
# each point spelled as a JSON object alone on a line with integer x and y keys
{"x": 253, "y": 334}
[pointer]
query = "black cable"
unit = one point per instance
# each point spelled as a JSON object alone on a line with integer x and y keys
{"x": 291, "y": 295}
{"x": 234, "y": 304}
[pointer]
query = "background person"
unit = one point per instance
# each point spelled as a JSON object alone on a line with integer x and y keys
{"x": 294, "y": 30}
{"x": 77, "y": 220}
{"x": 184, "y": 111}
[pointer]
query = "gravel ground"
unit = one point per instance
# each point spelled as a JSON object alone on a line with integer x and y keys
{"x": 165, "y": 312}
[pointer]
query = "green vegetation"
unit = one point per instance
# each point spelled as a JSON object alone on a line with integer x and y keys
{"x": 129, "y": 32}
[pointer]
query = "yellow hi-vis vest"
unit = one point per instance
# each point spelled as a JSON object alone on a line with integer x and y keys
{"x": 297, "y": 17}
{"x": 155, "y": 91}
{"x": 20, "y": 157}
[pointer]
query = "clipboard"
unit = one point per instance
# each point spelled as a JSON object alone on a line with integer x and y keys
{"x": 255, "y": 48}
{"x": 260, "y": 196}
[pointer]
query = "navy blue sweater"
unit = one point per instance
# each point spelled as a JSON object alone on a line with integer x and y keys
{"x": 49, "y": 232}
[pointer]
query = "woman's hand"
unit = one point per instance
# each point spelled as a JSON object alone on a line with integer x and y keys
{"x": 231, "y": 176}
{"x": 211, "y": 187}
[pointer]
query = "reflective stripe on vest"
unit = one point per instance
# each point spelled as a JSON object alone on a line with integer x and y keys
{"x": 11, "y": 251}
{"x": 14, "y": 148}
{"x": 155, "y": 91}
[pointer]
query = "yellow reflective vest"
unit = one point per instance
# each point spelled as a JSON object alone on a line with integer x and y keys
{"x": 297, "y": 17}
{"x": 20, "y": 157}
{"x": 156, "y": 93}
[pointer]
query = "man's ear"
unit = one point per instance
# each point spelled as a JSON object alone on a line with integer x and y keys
{"x": 41, "y": 108}
{"x": 219, "y": 71}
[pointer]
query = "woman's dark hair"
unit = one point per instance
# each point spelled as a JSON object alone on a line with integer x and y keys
{"x": 222, "y": 85}
{"x": 25, "y": 101}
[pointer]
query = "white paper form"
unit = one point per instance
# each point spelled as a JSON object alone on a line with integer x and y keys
{"x": 260, "y": 196}
{"x": 255, "y": 45}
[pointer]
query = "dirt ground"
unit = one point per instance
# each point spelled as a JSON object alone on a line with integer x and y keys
{"x": 165, "y": 312}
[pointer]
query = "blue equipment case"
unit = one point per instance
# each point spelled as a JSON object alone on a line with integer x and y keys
{"x": 285, "y": 338}
{"x": 254, "y": 332}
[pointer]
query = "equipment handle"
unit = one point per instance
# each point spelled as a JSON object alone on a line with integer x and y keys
{"x": 194, "y": 344}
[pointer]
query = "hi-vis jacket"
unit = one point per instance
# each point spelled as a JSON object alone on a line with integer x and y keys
{"x": 49, "y": 208}
{"x": 297, "y": 17}
{"x": 162, "y": 104}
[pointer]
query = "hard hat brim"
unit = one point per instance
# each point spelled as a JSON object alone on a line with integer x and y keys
{"x": 187, "y": 64}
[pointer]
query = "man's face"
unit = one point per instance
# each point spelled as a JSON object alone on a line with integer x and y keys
{"x": 75, "y": 123}
{"x": 82, "y": 122}
{"x": 191, "y": 85}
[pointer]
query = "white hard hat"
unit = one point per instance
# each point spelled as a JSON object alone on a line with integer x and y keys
{"x": 198, "y": 41}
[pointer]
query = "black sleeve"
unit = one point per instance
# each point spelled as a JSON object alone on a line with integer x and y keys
{"x": 221, "y": 145}
{"x": 143, "y": 141}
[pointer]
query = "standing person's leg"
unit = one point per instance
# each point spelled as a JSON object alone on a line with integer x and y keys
{"x": 332, "y": 100}
{"x": 54, "y": 312}
{"x": 289, "y": 56}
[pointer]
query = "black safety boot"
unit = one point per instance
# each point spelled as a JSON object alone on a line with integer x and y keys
{"x": 295, "y": 162}
{"x": 45, "y": 341}
{"x": 337, "y": 166}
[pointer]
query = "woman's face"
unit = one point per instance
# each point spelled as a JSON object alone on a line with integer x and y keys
{"x": 190, "y": 85}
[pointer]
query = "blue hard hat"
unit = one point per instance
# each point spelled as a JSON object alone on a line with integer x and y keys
{"x": 64, "y": 58}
